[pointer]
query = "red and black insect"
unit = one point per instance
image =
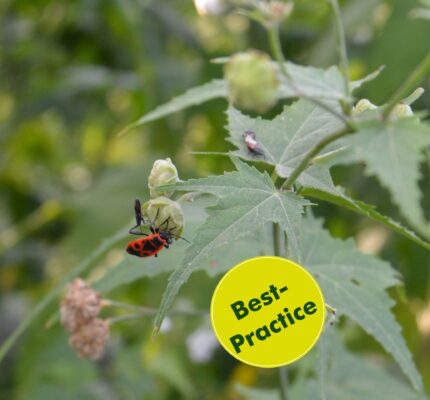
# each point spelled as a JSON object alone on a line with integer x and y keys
{"x": 251, "y": 143}
{"x": 150, "y": 244}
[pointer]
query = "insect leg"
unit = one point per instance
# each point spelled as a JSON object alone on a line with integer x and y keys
{"x": 165, "y": 221}
{"x": 133, "y": 231}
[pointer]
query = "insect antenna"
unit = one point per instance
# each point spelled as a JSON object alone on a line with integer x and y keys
{"x": 180, "y": 237}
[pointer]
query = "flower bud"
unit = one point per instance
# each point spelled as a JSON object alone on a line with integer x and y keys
{"x": 89, "y": 340}
{"x": 80, "y": 304}
{"x": 163, "y": 172}
{"x": 209, "y": 7}
{"x": 252, "y": 81}
{"x": 363, "y": 105}
{"x": 277, "y": 10}
{"x": 165, "y": 214}
{"x": 401, "y": 110}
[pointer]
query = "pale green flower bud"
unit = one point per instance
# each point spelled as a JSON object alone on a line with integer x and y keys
{"x": 252, "y": 81}
{"x": 401, "y": 111}
{"x": 165, "y": 214}
{"x": 277, "y": 10}
{"x": 163, "y": 172}
{"x": 363, "y": 105}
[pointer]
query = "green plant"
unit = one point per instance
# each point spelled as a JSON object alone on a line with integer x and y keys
{"x": 320, "y": 130}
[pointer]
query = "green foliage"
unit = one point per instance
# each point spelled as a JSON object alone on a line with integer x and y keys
{"x": 192, "y": 97}
{"x": 287, "y": 138}
{"x": 355, "y": 285}
{"x": 345, "y": 376}
{"x": 341, "y": 199}
{"x": 74, "y": 74}
{"x": 233, "y": 218}
{"x": 393, "y": 152}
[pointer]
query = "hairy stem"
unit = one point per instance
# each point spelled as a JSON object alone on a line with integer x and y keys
{"x": 311, "y": 154}
{"x": 341, "y": 46}
{"x": 408, "y": 85}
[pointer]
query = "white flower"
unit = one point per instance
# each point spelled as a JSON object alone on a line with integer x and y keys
{"x": 209, "y": 7}
{"x": 201, "y": 345}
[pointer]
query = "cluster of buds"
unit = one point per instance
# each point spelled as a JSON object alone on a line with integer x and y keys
{"x": 79, "y": 311}
{"x": 252, "y": 81}
{"x": 161, "y": 210}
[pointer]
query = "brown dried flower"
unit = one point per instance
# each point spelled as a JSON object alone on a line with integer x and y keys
{"x": 80, "y": 305}
{"x": 90, "y": 339}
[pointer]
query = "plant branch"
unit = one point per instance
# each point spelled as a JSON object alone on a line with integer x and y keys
{"x": 145, "y": 311}
{"x": 311, "y": 154}
{"x": 283, "y": 379}
{"x": 341, "y": 46}
{"x": 275, "y": 45}
{"x": 283, "y": 373}
{"x": 276, "y": 239}
{"x": 408, "y": 85}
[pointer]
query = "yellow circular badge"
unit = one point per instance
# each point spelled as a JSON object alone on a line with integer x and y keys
{"x": 267, "y": 311}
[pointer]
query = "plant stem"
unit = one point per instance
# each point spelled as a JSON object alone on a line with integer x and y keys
{"x": 127, "y": 317}
{"x": 275, "y": 45}
{"x": 311, "y": 154}
{"x": 341, "y": 46}
{"x": 283, "y": 373}
{"x": 276, "y": 239}
{"x": 283, "y": 379}
{"x": 408, "y": 85}
{"x": 145, "y": 311}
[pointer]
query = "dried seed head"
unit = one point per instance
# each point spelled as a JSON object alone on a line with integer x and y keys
{"x": 163, "y": 172}
{"x": 89, "y": 340}
{"x": 80, "y": 304}
{"x": 165, "y": 214}
{"x": 252, "y": 81}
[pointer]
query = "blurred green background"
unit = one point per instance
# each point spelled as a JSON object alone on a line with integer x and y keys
{"x": 72, "y": 75}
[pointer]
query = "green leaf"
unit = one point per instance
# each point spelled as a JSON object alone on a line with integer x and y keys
{"x": 312, "y": 82}
{"x": 373, "y": 75}
{"x": 346, "y": 376}
{"x": 340, "y": 199}
{"x": 51, "y": 296}
{"x": 349, "y": 376}
{"x": 355, "y": 285}
{"x": 393, "y": 152}
{"x": 307, "y": 80}
{"x": 287, "y": 138}
{"x": 319, "y": 83}
{"x": 194, "y": 96}
{"x": 131, "y": 268}
{"x": 247, "y": 201}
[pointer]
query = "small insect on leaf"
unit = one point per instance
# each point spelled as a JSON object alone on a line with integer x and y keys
{"x": 251, "y": 143}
